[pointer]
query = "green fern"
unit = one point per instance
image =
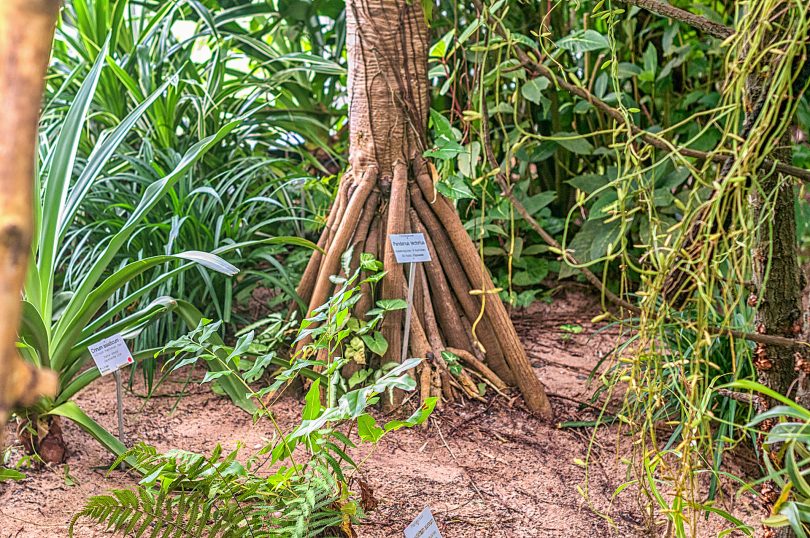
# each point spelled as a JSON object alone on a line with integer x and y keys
{"x": 187, "y": 495}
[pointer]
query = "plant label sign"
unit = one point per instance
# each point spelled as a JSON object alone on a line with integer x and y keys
{"x": 424, "y": 526}
{"x": 410, "y": 248}
{"x": 111, "y": 354}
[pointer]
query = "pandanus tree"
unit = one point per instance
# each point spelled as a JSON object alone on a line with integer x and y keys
{"x": 389, "y": 189}
{"x": 26, "y": 32}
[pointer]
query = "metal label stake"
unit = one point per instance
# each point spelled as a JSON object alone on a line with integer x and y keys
{"x": 410, "y": 249}
{"x": 110, "y": 355}
{"x": 408, "y": 310}
{"x": 119, "y": 396}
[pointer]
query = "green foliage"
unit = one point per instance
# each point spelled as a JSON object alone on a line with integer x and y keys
{"x": 204, "y": 64}
{"x": 335, "y": 332}
{"x": 58, "y": 325}
{"x": 159, "y": 152}
{"x": 230, "y": 368}
{"x": 10, "y": 474}
{"x": 786, "y": 452}
{"x": 557, "y": 144}
{"x": 227, "y": 120}
{"x": 619, "y": 205}
{"x": 190, "y": 495}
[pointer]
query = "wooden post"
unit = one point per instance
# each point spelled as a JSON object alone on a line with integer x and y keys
{"x": 26, "y": 36}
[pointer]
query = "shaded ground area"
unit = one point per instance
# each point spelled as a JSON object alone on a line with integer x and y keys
{"x": 486, "y": 470}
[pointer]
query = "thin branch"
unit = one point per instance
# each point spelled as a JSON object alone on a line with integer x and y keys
{"x": 503, "y": 182}
{"x": 540, "y": 69}
{"x": 644, "y": 135}
{"x": 743, "y": 397}
{"x": 664, "y": 9}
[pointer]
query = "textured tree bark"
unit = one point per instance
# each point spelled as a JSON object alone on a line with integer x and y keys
{"x": 778, "y": 281}
{"x": 387, "y": 43}
{"x": 777, "y": 277}
{"x": 777, "y": 274}
{"x": 26, "y": 34}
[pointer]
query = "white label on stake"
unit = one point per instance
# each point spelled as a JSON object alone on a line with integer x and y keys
{"x": 424, "y": 526}
{"x": 111, "y": 354}
{"x": 410, "y": 248}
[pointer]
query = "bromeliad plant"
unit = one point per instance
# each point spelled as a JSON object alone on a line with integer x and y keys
{"x": 59, "y": 325}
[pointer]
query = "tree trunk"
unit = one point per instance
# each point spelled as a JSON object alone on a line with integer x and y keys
{"x": 26, "y": 34}
{"x": 387, "y": 42}
{"x": 778, "y": 282}
{"x": 777, "y": 275}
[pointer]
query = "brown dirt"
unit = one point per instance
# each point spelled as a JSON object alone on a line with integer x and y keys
{"x": 486, "y": 470}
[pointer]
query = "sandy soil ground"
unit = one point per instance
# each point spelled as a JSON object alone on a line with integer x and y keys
{"x": 485, "y": 469}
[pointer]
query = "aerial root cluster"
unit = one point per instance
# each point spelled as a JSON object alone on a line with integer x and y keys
{"x": 456, "y": 306}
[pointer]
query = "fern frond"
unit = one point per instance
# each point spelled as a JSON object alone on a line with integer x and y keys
{"x": 130, "y": 512}
{"x": 187, "y": 495}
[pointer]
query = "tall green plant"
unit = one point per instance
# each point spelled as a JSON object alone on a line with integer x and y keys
{"x": 308, "y": 495}
{"x": 59, "y": 325}
{"x": 227, "y": 61}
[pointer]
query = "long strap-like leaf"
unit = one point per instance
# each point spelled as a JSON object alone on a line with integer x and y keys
{"x": 151, "y": 197}
{"x": 57, "y": 183}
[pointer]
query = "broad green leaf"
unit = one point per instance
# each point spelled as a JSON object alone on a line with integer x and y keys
{"x": 584, "y": 41}
{"x": 590, "y": 243}
{"x": 442, "y": 46}
{"x": 650, "y": 61}
{"x": 534, "y": 204}
{"x": 420, "y": 416}
{"x": 57, "y": 182}
{"x": 468, "y": 159}
{"x": 443, "y": 127}
{"x": 454, "y": 188}
{"x": 312, "y": 407}
{"x": 10, "y": 474}
{"x": 368, "y": 430}
{"x": 444, "y": 149}
{"x": 533, "y": 89}
{"x": 536, "y": 151}
{"x": 376, "y": 342}
{"x": 389, "y": 305}
{"x": 574, "y": 143}
{"x": 533, "y": 272}
{"x": 588, "y": 183}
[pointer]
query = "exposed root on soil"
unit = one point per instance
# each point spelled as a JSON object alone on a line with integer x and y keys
{"x": 457, "y": 310}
